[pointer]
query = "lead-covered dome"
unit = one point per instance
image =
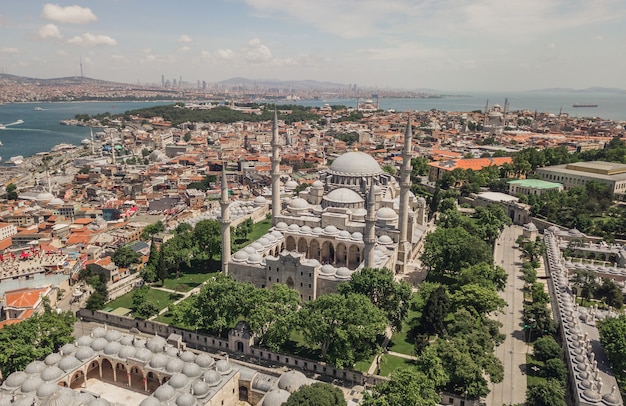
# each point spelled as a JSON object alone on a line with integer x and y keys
{"x": 343, "y": 196}
{"x": 355, "y": 163}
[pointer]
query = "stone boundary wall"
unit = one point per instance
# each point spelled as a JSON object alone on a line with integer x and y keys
{"x": 208, "y": 343}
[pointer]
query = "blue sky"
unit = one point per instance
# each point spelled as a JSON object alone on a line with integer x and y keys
{"x": 448, "y": 45}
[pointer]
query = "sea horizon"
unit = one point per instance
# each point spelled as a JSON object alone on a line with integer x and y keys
{"x": 41, "y": 129}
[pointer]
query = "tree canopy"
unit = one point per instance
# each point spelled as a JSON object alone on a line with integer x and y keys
{"x": 448, "y": 250}
{"x": 407, "y": 388}
{"x": 317, "y": 394}
{"x": 613, "y": 339}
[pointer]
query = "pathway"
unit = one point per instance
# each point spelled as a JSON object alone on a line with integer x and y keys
{"x": 185, "y": 295}
{"x": 512, "y": 352}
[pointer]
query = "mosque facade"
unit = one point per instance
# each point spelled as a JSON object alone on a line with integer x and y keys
{"x": 356, "y": 215}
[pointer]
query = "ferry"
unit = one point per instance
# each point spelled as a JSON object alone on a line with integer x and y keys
{"x": 37, "y": 109}
{"x": 584, "y": 105}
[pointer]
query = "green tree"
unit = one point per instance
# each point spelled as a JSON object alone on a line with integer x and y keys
{"x": 317, "y": 394}
{"x": 34, "y": 338}
{"x": 178, "y": 251}
{"x": 613, "y": 339}
{"x": 545, "y": 393}
{"x": 207, "y": 236}
{"x": 484, "y": 274}
{"x": 141, "y": 307}
{"x": 11, "y": 191}
{"x": 271, "y": 314}
{"x": 546, "y": 348}
{"x": 407, "y": 387}
{"x": 344, "y": 327}
{"x": 448, "y": 250}
{"x": 554, "y": 368}
{"x": 435, "y": 312}
{"x": 611, "y": 293}
{"x": 380, "y": 286}
{"x": 150, "y": 230}
{"x": 124, "y": 257}
{"x": 161, "y": 267}
{"x": 477, "y": 299}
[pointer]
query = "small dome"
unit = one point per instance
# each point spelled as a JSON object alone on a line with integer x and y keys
{"x": 330, "y": 230}
{"x": 291, "y": 184}
{"x": 99, "y": 343}
{"x": 281, "y": 226}
{"x": 223, "y": 367}
{"x": 178, "y": 381}
{"x": 99, "y": 332}
{"x": 200, "y": 388}
{"x": 276, "y": 397}
{"x": 84, "y": 341}
{"x": 47, "y": 389}
{"x": 185, "y": 399}
{"x": 328, "y": 269}
{"x": 293, "y": 228}
{"x": 53, "y": 359}
{"x": 204, "y": 361}
{"x": 51, "y": 373}
{"x": 277, "y": 234}
{"x": 356, "y": 236}
{"x": 305, "y": 230}
{"x": 14, "y": 380}
{"x": 385, "y": 240}
{"x": 291, "y": 381}
{"x": 298, "y": 203}
{"x": 59, "y": 397}
{"x": 164, "y": 393}
{"x": 139, "y": 343}
{"x": 175, "y": 365}
{"x": 212, "y": 377}
{"x": 127, "y": 351}
{"x": 344, "y": 234}
{"x": 255, "y": 258}
{"x": 31, "y": 384}
{"x": 386, "y": 214}
{"x": 250, "y": 249}
{"x": 257, "y": 246}
{"x": 127, "y": 339}
{"x": 112, "y": 348}
{"x": 113, "y": 335}
{"x": 143, "y": 354}
{"x": 68, "y": 363}
{"x": 84, "y": 398}
{"x": 192, "y": 370}
{"x": 171, "y": 351}
{"x": 240, "y": 256}
{"x": 317, "y": 185}
{"x": 68, "y": 349}
{"x": 84, "y": 353}
{"x": 317, "y": 231}
{"x": 159, "y": 361}
{"x": 100, "y": 402}
{"x": 264, "y": 242}
{"x": 150, "y": 401}
{"x": 156, "y": 344}
{"x": 343, "y": 272}
{"x": 259, "y": 201}
{"x": 44, "y": 197}
{"x": 188, "y": 356}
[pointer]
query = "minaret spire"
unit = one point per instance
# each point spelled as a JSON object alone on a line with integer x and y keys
{"x": 370, "y": 231}
{"x": 225, "y": 221}
{"x": 275, "y": 170}
{"x": 405, "y": 187}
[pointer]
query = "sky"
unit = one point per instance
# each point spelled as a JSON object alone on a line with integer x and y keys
{"x": 446, "y": 45}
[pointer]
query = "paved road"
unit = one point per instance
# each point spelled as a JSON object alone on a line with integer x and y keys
{"x": 512, "y": 353}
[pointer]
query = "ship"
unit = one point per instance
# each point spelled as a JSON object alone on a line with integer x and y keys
{"x": 37, "y": 109}
{"x": 584, "y": 105}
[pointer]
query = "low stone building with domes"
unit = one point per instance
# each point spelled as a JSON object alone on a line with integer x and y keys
{"x": 356, "y": 215}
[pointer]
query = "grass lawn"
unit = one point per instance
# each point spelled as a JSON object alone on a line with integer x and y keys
{"x": 390, "y": 363}
{"x": 531, "y": 376}
{"x": 168, "y": 317}
{"x": 160, "y": 298}
{"x": 399, "y": 340}
{"x": 364, "y": 365}
{"x": 258, "y": 230}
{"x": 187, "y": 281}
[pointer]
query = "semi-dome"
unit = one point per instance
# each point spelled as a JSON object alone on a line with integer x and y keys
{"x": 355, "y": 163}
{"x": 298, "y": 203}
{"x": 344, "y": 196}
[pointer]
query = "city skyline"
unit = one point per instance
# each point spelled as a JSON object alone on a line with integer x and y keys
{"x": 401, "y": 44}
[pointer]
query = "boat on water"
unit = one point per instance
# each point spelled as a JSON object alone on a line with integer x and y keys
{"x": 584, "y": 105}
{"x": 37, "y": 109}
{"x": 16, "y": 160}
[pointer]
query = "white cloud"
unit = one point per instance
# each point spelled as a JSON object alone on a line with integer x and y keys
{"x": 224, "y": 54}
{"x": 184, "y": 39}
{"x": 49, "y": 31}
{"x": 88, "y": 39}
{"x": 9, "y": 50}
{"x": 69, "y": 14}
{"x": 256, "y": 51}
{"x": 116, "y": 57}
{"x": 184, "y": 49}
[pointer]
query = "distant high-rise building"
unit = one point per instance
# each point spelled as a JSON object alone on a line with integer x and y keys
{"x": 198, "y": 84}
{"x": 180, "y": 81}
{"x": 174, "y": 82}
{"x": 204, "y": 84}
{"x": 162, "y": 80}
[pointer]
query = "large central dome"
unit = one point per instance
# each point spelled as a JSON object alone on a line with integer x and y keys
{"x": 355, "y": 164}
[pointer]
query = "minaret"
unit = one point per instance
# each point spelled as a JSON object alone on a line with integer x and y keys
{"x": 370, "y": 229}
{"x": 93, "y": 146}
{"x": 405, "y": 187}
{"x": 225, "y": 221}
{"x": 275, "y": 171}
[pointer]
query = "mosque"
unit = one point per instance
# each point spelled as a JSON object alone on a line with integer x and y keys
{"x": 356, "y": 215}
